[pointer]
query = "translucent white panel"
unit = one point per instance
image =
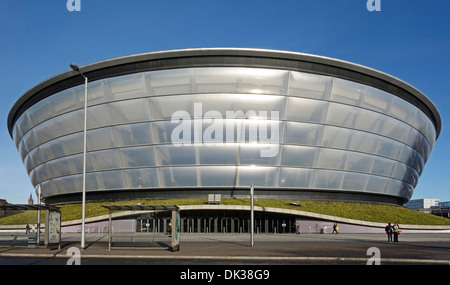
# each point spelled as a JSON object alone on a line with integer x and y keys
{"x": 34, "y": 158}
{"x": 165, "y": 107}
{"x": 140, "y": 178}
{"x": 326, "y": 179}
{"x": 174, "y": 81}
{"x": 39, "y": 174}
{"x": 162, "y": 131}
{"x": 16, "y": 134}
{"x": 382, "y": 166}
{"x": 28, "y": 162}
{"x": 65, "y": 124}
{"x": 342, "y": 115}
{"x": 406, "y": 173}
{"x": 376, "y": 184}
{"x": 394, "y": 129}
{"x": 402, "y": 110}
{"x": 306, "y": 110}
{"x": 178, "y": 176}
{"x": 250, "y": 154}
{"x": 302, "y": 133}
{"x": 347, "y": 92}
{"x": 22, "y": 148}
{"x": 299, "y": 156}
{"x": 217, "y": 175}
{"x": 231, "y": 79}
{"x": 261, "y": 81}
{"x": 66, "y": 165}
{"x": 72, "y": 144}
{"x": 214, "y": 80}
{"x": 100, "y": 139}
{"x": 55, "y": 148}
{"x": 134, "y": 134}
{"x": 40, "y": 112}
{"x": 423, "y": 147}
{"x": 359, "y": 162}
{"x": 342, "y": 138}
{"x": 100, "y": 160}
{"x": 354, "y": 181}
{"x": 73, "y": 98}
{"x": 395, "y": 188}
{"x": 97, "y": 116}
{"x": 257, "y": 176}
{"x": 295, "y": 177}
{"x": 225, "y": 154}
{"x": 361, "y": 141}
{"x": 63, "y": 146}
{"x": 24, "y": 123}
{"x": 172, "y": 155}
{"x": 70, "y": 184}
{"x": 29, "y": 141}
{"x": 309, "y": 85}
{"x": 129, "y": 111}
{"x": 48, "y": 188}
{"x": 388, "y": 148}
{"x": 430, "y": 133}
{"x": 104, "y": 180}
{"x": 70, "y": 99}
{"x": 376, "y": 100}
{"x": 125, "y": 87}
{"x": 96, "y": 93}
{"x": 137, "y": 156}
{"x": 332, "y": 159}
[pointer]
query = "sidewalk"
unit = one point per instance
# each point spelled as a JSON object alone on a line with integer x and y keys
{"x": 268, "y": 248}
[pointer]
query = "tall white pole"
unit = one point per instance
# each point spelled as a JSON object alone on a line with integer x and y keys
{"x": 84, "y": 167}
{"x": 252, "y": 216}
{"x": 38, "y": 194}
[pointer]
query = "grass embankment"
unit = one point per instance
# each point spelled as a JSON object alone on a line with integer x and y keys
{"x": 358, "y": 211}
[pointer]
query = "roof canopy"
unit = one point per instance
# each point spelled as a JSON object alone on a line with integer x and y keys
{"x": 28, "y": 207}
{"x": 141, "y": 207}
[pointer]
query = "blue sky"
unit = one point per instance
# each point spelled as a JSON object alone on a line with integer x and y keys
{"x": 409, "y": 39}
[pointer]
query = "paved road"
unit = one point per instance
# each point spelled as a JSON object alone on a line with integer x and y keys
{"x": 229, "y": 257}
{"x": 267, "y": 249}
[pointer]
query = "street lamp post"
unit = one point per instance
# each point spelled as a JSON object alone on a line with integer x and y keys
{"x": 252, "y": 216}
{"x": 83, "y": 211}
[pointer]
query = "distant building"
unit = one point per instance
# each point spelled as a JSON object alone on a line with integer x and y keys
{"x": 3, "y": 212}
{"x": 441, "y": 210}
{"x": 30, "y": 200}
{"x": 418, "y": 204}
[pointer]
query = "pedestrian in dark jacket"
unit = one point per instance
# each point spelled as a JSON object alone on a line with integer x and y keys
{"x": 389, "y": 231}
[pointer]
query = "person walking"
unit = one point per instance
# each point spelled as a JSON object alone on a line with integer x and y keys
{"x": 389, "y": 231}
{"x": 396, "y": 230}
{"x": 335, "y": 228}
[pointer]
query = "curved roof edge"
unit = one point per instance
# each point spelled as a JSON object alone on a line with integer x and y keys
{"x": 267, "y": 58}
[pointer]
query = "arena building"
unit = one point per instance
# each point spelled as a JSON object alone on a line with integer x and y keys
{"x": 193, "y": 122}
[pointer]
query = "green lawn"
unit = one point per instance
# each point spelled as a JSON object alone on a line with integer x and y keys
{"x": 358, "y": 211}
